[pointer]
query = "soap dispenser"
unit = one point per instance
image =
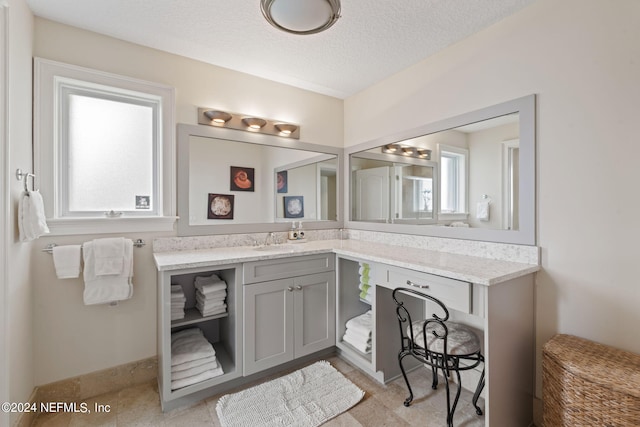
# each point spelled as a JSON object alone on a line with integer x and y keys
{"x": 293, "y": 233}
{"x": 300, "y": 232}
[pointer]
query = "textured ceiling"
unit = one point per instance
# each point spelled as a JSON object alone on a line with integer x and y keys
{"x": 372, "y": 40}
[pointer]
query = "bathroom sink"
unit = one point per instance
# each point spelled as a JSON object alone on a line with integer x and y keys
{"x": 276, "y": 248}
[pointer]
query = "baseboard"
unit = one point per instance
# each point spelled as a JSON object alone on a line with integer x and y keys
{"x": 96, "y": 383}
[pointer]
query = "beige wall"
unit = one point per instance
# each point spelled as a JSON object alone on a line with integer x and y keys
{"x": 582, "y": 59}
{"x": 18, "y": 310}
{"x": 72, "y": 339}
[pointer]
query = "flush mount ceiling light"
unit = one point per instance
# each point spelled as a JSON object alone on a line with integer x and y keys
{"x": 301, "y": 16}
{"x": 219, "y": 117}
{"x": 254, "y": 123}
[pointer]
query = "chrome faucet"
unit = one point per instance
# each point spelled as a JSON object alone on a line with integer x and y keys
{"x": 269, "y": 240}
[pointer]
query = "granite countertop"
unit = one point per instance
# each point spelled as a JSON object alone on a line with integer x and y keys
{"x": 483, "y": 271}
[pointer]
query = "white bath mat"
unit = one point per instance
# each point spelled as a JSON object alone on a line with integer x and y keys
{"x": 305, "y": 398}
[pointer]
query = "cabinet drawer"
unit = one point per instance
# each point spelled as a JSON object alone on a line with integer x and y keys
{"x": 455, "y": 294}
{"x": 261, "y": 271}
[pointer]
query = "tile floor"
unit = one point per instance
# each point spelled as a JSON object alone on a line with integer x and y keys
{"x": 381, "y": 406}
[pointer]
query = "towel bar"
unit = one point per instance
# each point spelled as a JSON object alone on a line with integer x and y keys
{"x": 138, "y": 243}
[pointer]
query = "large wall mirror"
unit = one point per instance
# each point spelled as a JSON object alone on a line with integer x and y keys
{"x": 240, "y": 182}
{"x": 468, "y": 177}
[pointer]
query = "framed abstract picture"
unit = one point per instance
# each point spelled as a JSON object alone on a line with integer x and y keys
{"x": 281, "y": 182}
{"x": 242, "y": 179}
{"x": 220, "y": 206}
{"x": 294, "y": 206}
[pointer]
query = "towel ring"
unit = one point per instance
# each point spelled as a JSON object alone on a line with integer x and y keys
{"x": 24, "y": 177}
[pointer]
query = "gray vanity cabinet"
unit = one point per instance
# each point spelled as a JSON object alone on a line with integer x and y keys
{"x": 289, "y": 317}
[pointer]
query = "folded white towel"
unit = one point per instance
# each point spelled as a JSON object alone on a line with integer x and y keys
{"x": 185, "y": 333}
{"x": 209, "y": 302}
{"x": 212, "y": 311}
{"x": 203, "y": 280}
{"x": 32, "y": 222}
{"x": 208, "y": 288}
{"x": 206, "y": 375}
{"x": 109, "y": 256}
{"x": 193, "y": 364}
{"x": 212, "y": 295}
{"x": 197, "y": 370}
{"x": 359, "y": 336}
{"x": 363, "y": 348}
{"x": 361, "y": 323}
{"x": 106, "y": 289}
{"x": 482, "y": 210}
{"x": 66, "y": 260}
{"x": 191, "y": 349}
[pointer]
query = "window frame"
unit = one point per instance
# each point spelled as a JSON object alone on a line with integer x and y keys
{"x": 50, "y": 79}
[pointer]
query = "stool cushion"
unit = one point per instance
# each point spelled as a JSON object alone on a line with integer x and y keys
{"x": 461, "y": 340}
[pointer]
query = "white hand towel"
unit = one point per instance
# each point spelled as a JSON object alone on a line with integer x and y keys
{"x": 193, "y": 364}
{"x": 197, "y": 370}
{"x": 206, "y": 375}
{"x": 203, "y": 280}
{"x": 66, "y": 260}
{"x": 191, "y": 350}
{"x": 109, "y": 256}
{"x": 212, "y": 295}
{"x": 106, "y": 289}
{"x": 185, "y": 333}
{"x": 363, "y": 348}
{"x": 360, "y": 323}
{"x": 32, "y": 222}
{"x": 211, "y": 287}
{"x": 482, "y": 210}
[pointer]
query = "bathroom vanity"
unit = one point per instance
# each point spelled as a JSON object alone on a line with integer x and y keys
{"x": 291, "y": 301}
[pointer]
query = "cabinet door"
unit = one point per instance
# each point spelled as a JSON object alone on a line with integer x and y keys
{"x": 314, "y": 313}
{"x": 268, "y": 326}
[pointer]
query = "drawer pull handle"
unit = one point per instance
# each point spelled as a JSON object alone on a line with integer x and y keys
{"x": 298, "y": 288}
{"x": 415, "y": 285}
{"x": 290, "y": 289}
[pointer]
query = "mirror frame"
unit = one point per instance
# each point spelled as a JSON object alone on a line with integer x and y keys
{"x": 525, "y": 235}
{"x": 186, "y": 131}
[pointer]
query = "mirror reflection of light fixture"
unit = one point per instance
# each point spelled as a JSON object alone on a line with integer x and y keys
{"x": 254, "y": 123}
{"x": 222, "y": 119}
{"x": 218, "y": 117}
{"x": 301, "y": 16}
{"x": 407, "y": 151}
{"x": 390, "y": 148}
{"x": 285, "y": 128}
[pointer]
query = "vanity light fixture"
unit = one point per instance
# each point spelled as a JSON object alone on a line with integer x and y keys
{"x": 301, "y": 16}
{"x": 254, "y": 123}
{"x": 237, "y": 121}
{"x": 286, "y": 128}
{"x": 218, "y": 117}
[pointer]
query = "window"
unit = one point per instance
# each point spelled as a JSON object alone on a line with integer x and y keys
{"x": 104, "y": 150}
{"x": 453, "y": 180}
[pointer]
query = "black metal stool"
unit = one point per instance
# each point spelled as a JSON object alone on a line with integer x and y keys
{"x": 440, "y": 344}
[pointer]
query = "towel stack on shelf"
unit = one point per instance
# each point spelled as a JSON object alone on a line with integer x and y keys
{"x": 177, "y": 302}
{"x": 211, "y": 292}
{"x": 193, "y": 358}
{"x": 365, "y": 287}
{"x": 358, "y": 332}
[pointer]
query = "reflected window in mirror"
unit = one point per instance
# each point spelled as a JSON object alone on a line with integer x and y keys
{"x": 453, "y": 181}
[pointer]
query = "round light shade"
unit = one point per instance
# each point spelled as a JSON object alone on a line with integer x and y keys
{"x": 301, "y": 16}
{"x": 254, "y": 122}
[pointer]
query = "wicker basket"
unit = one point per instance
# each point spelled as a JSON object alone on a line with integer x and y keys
{"x": 589, "y": 384}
